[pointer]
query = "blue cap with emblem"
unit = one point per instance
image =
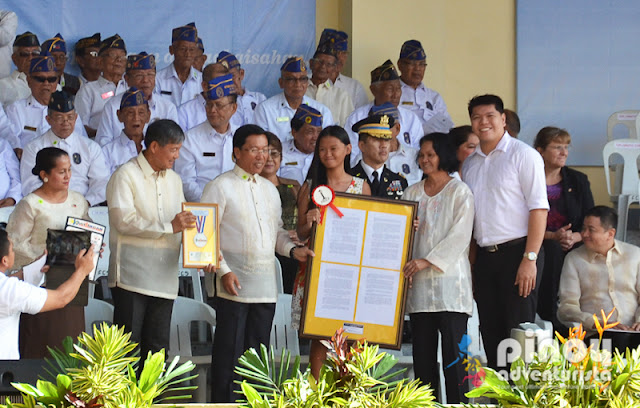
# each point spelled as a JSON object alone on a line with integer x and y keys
{"x": 61, "y": 101}
{"x": 141, "y": 61}
{"x": 308, "y": 115}
{"x": 388, "y": 109}
{"x": 187, "y": 32}
{"x": 55, "y": 44}
{"x": 412, "y": 50}
{"x": 294, "y": 64}
{"x": 200, "y": 44}
{"x": 385, "y": 72}
{"x": 132, "y": 97}
{"x": 115, "y": 42}
{"x": 42, "y": 63}
{"x": 26, "y": 39}
{"x": 220, "y": 87}
{"x": 228, "y": 60}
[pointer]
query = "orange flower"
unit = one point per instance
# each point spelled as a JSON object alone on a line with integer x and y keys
{"x": 605, "y": 319}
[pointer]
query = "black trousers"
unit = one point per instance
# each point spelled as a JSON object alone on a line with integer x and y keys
{"x": 239, "y": 327}
{"x": 452, "y": 326}
{"x": 148, "y": 318}
{"x": 500, "y": 307}
{"x": 550, "y": 284}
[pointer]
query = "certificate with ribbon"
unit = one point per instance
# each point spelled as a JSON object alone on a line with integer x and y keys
{"x": 201, "y": 245}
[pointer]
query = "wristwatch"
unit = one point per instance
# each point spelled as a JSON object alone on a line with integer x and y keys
{"x": 291, "y": 252}
{"x": 532, "y": 256}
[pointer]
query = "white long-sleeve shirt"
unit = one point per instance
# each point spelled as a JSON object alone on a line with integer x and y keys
{"x": 251, "y": 230}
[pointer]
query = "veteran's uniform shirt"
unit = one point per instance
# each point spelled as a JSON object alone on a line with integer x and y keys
{"x": 294, "y": 164}
{"x": 28, "y": 121}
{"x": 429, "y": 106}
{"x": 14, "y": 87}
{"x": 169, "y": 84}
{"x": 89, "y": 173}
{"x": 93, "y": 96}
{"x": 119, "y": 151}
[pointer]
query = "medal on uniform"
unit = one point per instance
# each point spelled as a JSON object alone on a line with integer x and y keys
{"x": 200, "y": 240}
{"x": 323, "y": 197}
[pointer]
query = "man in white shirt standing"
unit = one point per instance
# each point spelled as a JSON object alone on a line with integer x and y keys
{"x": 507, "y": 179}
{"x": 297, "y": 153}
{"x": 423, "y": 101}
{"x": 20, "y": 292}
{"x": 140, "y": 74}
{"x": 14, "y": 87}
{"x": 92, "y": 96}
{"x": 145, "y": 220}
{"x": 134, "y": 115}
{"x": 601, "y": 275}
{"x": 8, "y": 26}
{"x": 353, "y": 87}
{"x": 89, "y": 171}
{"x": 249, "y": 211}
{"x": 208, "y": 148}
{"x": 247, "y": 100}
{"x": 180, "y": 81}
{"x": 320, "y": 88}
{"x": 275, "y": 113}
{"x": 27, "y": 116}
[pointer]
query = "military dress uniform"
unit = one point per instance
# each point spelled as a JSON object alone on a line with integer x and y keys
{"x": 391, "y": 185}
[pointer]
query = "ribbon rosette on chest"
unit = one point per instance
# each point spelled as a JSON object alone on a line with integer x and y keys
{"x": 323, "y": 197}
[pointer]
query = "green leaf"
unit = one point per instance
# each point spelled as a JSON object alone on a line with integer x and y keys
{"x": 27, "y": 389}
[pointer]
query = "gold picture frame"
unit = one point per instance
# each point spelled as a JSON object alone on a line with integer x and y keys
{"x": 355, "y": 280}
{"x": 201, "y": 245}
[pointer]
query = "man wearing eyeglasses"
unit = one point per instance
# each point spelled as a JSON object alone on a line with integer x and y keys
{"x": 140, "y": 74}
{"x": 180, "y": 81}
{"x": 426, "y": 103}
{"x": 87, "y": 58}
{"x": 275, "y": 113}
{"x": 323, "y": 65}
{"x": 89, "y": 173}
{"x": 208, "y": 148}
{"x": 14, "y": 87}
{"x": 27, "y": 116}
{"x": 297, "y": 153}
{"x": 93, "y": 96}
{"x": 57, "y": 48}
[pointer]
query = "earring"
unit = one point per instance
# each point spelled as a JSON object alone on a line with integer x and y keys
{"x": 46, "y": 179}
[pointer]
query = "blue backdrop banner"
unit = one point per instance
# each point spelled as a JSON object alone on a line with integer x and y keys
{"x": 262, "y": 33}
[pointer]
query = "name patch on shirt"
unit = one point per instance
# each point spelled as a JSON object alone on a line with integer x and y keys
{"x": 165, "y": 92}
{"x": 407, "y": 103}
{"x": 291, "y": 164}
{"x": 107, "y": 95}
{"x": 282, "y": 119}
{"x": 209, "y": 154}
{"x": 31, "y": 128}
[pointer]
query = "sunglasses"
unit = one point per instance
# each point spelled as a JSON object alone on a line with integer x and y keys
{"x": 42, "y": 80}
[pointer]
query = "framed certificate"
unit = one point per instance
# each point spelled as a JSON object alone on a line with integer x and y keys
{"x": 201, "y": 245}
{"x": 355, "y": 281}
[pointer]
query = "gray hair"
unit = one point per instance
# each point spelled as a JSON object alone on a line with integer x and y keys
{"x": 16, "y": 48}
{"x": 164, "y": 132}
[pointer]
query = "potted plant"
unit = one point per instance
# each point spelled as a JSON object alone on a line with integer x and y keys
{"x": 357, "y": 376}
{"x": 104, "y": 374}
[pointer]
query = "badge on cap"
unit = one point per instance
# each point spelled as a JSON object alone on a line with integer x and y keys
{"x": 76, "y": 158}
{"x": 407, "y": 138}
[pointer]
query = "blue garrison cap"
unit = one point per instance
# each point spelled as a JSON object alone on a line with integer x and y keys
{"x": 141, "y": 61}
{"x": 412, "y": 50}
{"x": 115, "y": 42}
{"x": 342, "y": 41}
{"x": 26, "y": 39}
{"x": 294, "y": 64}
{"x": 42, "y": 63}
{"x": 133, "y": 97}
{"x": 55, "y": 44}
{"x": 308, "y": 115}
{"x": 220, "y": 87}
{"x": 228, "y": 60}
{"x": 187, "y": 32}
{"x": 61, "y": 101}
{"x": 200, "y": 44}
{"x": 388, "y": 109}
{"x": 385, "y": 72}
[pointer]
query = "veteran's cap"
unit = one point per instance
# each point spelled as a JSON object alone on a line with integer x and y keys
{"x": 42, "y": 63}
{"x": 61, "y": 101}
{"x": 132, "y": 97}
{"x": 93, "y": 41}
{"x": 388, "y": 109}
{"x": 220, "y": 87}
{"x": 308, "y": 115}
{"x": 141, "y": 61}
{"x": 412, "y": 50}
{"x": 26, "y": 39}
{"x": 187, "y": 32}
{"x": 115, "y": 42}
{"x": 385, "y": 72}
{"x": 294, "y": 64}
{"x": 55, "y": 44}
{"x": 228, "y": 60}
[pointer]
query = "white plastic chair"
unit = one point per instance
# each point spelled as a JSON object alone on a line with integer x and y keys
{"x": 186, "y": 310}
{"x": 631, "y": 120}
{"x": 279, "y": 282}
{"x": 100, "y": 215}
{"x": 96, "y": 312}
{"x": 5, "y": 212}
{"x": 282, "y": 335}
{"x": 629, "y": 149}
